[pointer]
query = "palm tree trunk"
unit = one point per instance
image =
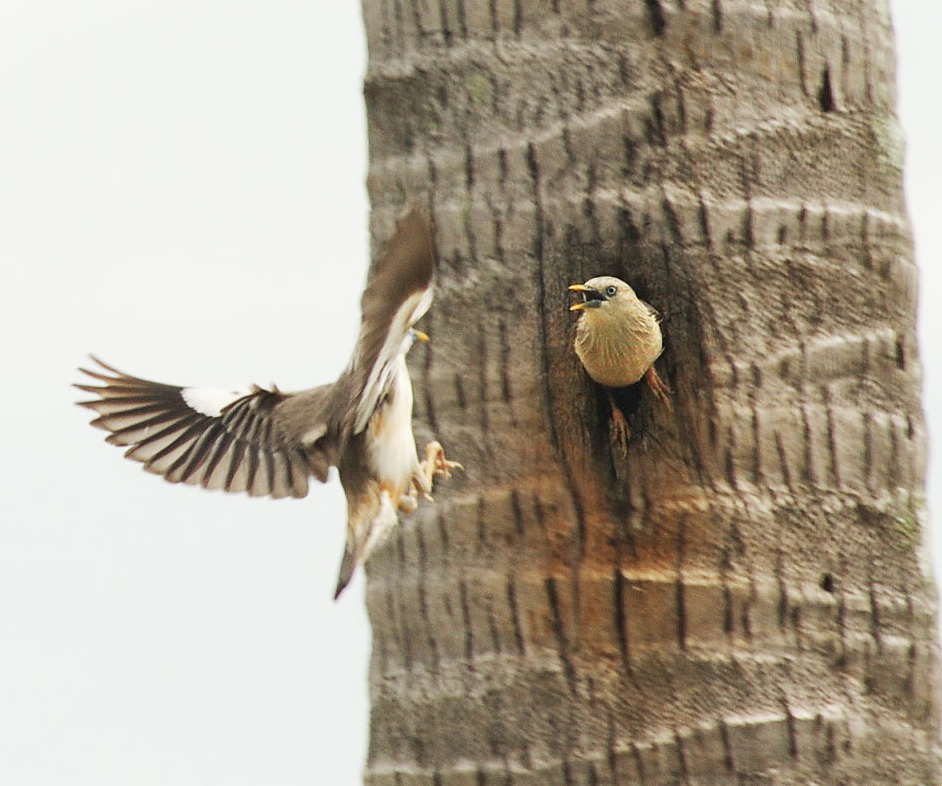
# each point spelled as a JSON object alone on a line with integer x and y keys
{"x": 744, "y": 599}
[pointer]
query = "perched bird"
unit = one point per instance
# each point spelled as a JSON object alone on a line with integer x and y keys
{"x": 266, "y": 442}
{"x": 618, "y": 338}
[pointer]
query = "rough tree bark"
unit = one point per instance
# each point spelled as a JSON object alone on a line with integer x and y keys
{"x": 743, "y": 599}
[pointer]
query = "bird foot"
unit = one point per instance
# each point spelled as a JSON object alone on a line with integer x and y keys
{"x": 435, "y": 458}
{"x": 433, "y": 465}
{"x": 620, "y": 431}
{"x": 409, "y": 502}
{"x": 658, "y": 386}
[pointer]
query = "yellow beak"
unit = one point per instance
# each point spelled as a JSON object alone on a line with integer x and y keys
{"x": 578, "y": 288}
{"x": 420, "y": 336}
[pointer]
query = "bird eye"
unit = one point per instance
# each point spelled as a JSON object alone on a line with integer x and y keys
{"x": 611, "y": 291}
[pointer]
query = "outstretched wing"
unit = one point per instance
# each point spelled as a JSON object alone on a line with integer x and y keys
{"x": 397, "y": 295}
{"x": 262, "y": 442}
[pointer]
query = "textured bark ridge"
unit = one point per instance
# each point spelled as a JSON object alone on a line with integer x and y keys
{"x": 743, "y": 599}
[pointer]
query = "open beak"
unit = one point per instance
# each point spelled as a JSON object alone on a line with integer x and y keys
{"x": 591, "y": 298}
{"x": 420, "y": 336}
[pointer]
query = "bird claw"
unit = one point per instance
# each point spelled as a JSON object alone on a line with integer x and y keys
{"x": 620, "y": 431}
{"x": 658, "y": 386}
{"x": 435, "y": 462}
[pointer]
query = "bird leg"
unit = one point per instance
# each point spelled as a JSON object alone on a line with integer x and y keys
{"x": 620, "y": 430}
{"x": 423, "y": 478}
{"x": 658, "y": 386}
{"x": 434, "y": 464}
{"x": 409, "y": 502}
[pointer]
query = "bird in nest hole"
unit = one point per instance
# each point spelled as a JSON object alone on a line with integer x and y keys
{"x": 618, "y": 338}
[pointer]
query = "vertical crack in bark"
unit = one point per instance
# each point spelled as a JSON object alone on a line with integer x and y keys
{"x": 447, "y": 33}
{"x": 681, "y": 607}
{"x": 656, "y": 128}
{"x": 894, "y": 468}
{"x": 810, "y": 473}
{"x": 875, "y": 613}
{"x": 756, "y": 464}
{"x": 800, "y": 55}
{"x": 870, "y": 478}
{"x": 729, "y": 623}
{"x": 400, "y": 538}
{"x": 672, "y": 221}
{"x": 563, "y": 645}
{"x": 481, "y": 523}
{"x": 460, "y": 397}
{"x": 900, "y": 356}
{"x": 841, "y": 594}
{"x": 846, "y": 66}
{"x": 727, "y": 747}
{"x": 482, "y": 393}
{"x": 462, "y": 18}
{"x": 681, "y": 113}
{"x": 656, "y": 15}
{"x": 442, "y": 531}
{"x": 783, "y": 460}
{"x": 681, "y": 757}
{"x": 466, "y": 621}
{"x": 423, "y": 599}
{"x": 417, "y": 18}
{"x": 639, "y": 763}
{"x": 909, "y": 686}
{"x": 703, "y": 216}
{"x": 809, "y": 4}
{"x": 567, "y": 773}
{"x": 833, "y": 452}
{"x": 791, "y": 730}
{"x": 729, "y": 463}
{"x": 505, "y": 389}
{"x": 748, "y": 219}
{"x": 611, "y": 754}
{"x": 495, "y": 633}
{"x": 621, "y": 620}
{"x": 400, "y": 25}
{"x": 717, "y": 8}
{"x": 517, "y": 513}
{"x": 408, "y": 657}
{"x": 394, "y": 625}
{"x": 515, "y": 616}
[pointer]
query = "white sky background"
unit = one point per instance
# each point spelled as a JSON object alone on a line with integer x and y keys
{"x": 161, "y": 165}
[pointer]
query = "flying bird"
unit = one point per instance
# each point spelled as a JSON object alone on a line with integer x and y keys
{"x": 618, "y": 338}
{"x": 269, "y": 443}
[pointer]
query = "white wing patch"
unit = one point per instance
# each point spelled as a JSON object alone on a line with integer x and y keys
{"x": 397, "y": 341}
{"x": 211, "y": 401}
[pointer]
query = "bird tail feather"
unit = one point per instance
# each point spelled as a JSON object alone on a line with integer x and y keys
{"x": 347, "y": 564}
